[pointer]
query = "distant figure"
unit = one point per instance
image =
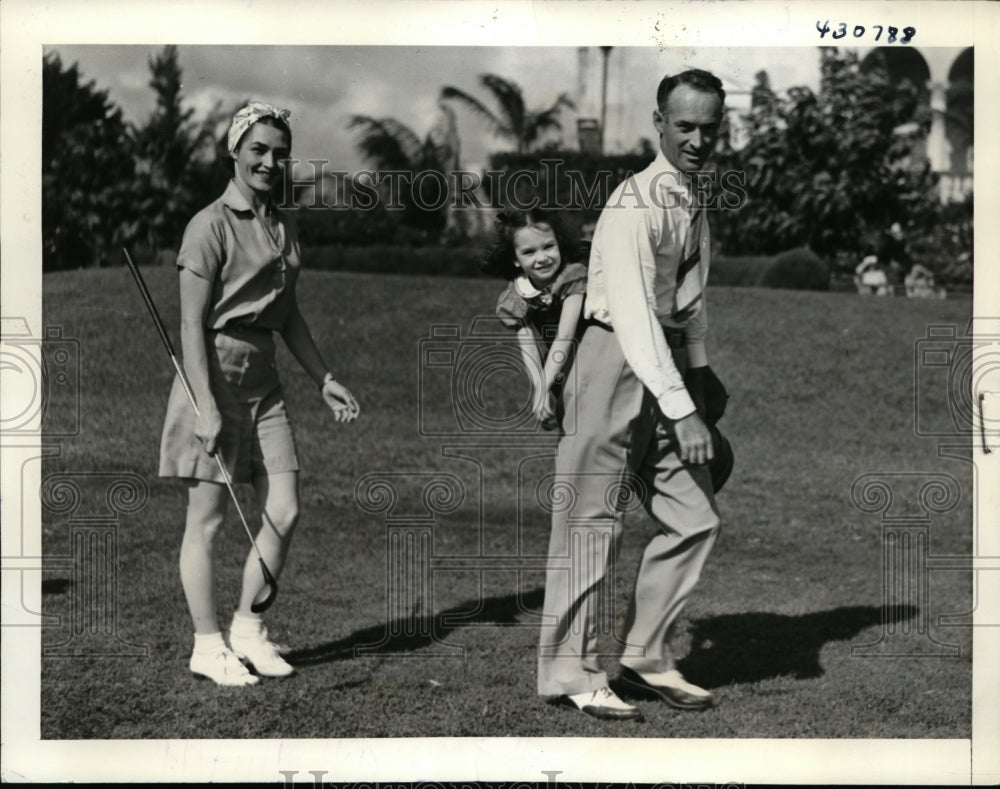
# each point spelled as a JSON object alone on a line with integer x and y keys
{"x": 892, "y": 254}
{"x": 919, "y": 284}
{"x": 870, "y": 278}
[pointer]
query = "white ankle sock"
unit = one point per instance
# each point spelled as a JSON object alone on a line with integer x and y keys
{"x": 208, "y": 642}
{"x": 245, "y": 625}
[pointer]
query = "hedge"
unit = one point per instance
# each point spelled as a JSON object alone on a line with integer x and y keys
{"x": 798, "y": 269}
{"x": 738, "y": 272}
{"x": 392, "y": 259}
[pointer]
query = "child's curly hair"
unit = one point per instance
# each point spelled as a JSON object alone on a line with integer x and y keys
{"x": 501, "y": 261}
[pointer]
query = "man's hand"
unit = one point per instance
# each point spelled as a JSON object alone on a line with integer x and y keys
{"x": 694, "y": 439}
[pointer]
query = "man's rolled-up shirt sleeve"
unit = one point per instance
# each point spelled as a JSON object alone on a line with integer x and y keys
{"x": 697, "y": 331}
{"x": 626, "y": 250}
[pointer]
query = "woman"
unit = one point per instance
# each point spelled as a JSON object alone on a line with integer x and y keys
{"x": 238, "y": 265}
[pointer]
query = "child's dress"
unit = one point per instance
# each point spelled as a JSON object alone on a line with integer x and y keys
{"x": 522, "y": 304}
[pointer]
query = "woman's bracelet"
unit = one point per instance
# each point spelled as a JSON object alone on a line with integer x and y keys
{"x": 326, "y": 379}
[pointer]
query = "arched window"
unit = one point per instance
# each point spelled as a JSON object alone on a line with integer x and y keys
{"x": 959, "y": 112}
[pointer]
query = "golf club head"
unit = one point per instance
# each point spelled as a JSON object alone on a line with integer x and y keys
{"x": 271, "y": 587}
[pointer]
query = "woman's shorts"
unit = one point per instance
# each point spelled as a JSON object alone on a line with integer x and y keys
{"x": 257, "y": 438}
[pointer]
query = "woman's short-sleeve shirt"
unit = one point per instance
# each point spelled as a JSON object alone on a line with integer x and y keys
{"x": 540, "y": 309}
{"x": 253, "y": 273}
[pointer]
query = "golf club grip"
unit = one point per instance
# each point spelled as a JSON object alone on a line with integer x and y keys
{"x": 272, "y": 590}
{"x": 146, "y": 297}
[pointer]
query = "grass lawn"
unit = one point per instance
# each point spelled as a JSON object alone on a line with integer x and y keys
{"x": 822, "y": 388}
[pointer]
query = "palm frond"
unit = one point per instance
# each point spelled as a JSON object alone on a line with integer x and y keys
{"x": 510, "y": 99}
{"x": 563, "y": 100}
{"x": 476, "y": 106}
{"x": 543, "y": 120}
{"x": 386, "y": 142}
{"x": 444, "y": 136}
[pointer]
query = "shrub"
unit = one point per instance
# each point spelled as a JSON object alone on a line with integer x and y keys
{"x": 348, "y": 227}
{"x": 830, "y": 169}
{"x": 797, "y": 269}
{"x": 946, "y": 246}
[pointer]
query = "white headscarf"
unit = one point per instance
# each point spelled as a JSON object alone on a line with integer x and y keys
{"x": 249, "y": 115}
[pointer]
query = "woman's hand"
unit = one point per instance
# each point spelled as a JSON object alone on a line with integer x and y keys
{"x": 208, "y": 427}
{"x": 345, "y": 408}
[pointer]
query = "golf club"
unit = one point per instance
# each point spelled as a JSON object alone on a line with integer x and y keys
{"x": 269, "y": 583}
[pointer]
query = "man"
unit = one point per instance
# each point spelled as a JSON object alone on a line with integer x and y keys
{"x": 892, "y": 254}
{"x": 633, "y": 424}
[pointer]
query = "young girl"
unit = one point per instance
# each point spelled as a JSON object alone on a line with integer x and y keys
{"x": 543, "y": 301}
{"x": 238, "y": 265}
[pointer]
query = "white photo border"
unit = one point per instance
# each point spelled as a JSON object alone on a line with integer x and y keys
{"x": 27, "y": 27}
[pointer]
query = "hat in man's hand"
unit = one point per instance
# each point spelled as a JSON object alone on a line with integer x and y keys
{"x": 721, "y": 464}
{"x": 715, "y": 395}
{"x": 705, "y": 386}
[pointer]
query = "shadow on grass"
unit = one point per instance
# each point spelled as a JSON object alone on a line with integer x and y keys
{"x": 56, "y": 585}
{"x": 746, "y": 648}
{"x": 728, "y": 649}
{"x": 413, "y": 633}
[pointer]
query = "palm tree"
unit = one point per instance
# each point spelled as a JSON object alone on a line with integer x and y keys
{"x": 391, "y": 145}
{"x": 512, "y": 120}
{"x": 386, "y": 143}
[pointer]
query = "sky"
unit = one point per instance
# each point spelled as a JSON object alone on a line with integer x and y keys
{"x": 324, "y": 86}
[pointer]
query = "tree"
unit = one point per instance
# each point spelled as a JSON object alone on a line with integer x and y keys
{"x": 830, "y": 170}
{"x": 86, "y": 167}
{"x": 178, "y": 170}
{"x": 391, "y": 146}
{"x": 511, "y": 120}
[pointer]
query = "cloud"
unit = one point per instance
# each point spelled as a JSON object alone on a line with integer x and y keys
{"x": 324, "y": 85}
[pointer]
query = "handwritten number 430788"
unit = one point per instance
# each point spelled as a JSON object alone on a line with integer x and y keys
{"x": 840, "y": 31}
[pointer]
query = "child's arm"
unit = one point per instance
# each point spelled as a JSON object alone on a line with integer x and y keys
{"x": 533, "y": 366}
{"x": 562, "y": 346}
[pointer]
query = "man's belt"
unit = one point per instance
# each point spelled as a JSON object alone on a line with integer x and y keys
{"x": 676, "y": 338}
